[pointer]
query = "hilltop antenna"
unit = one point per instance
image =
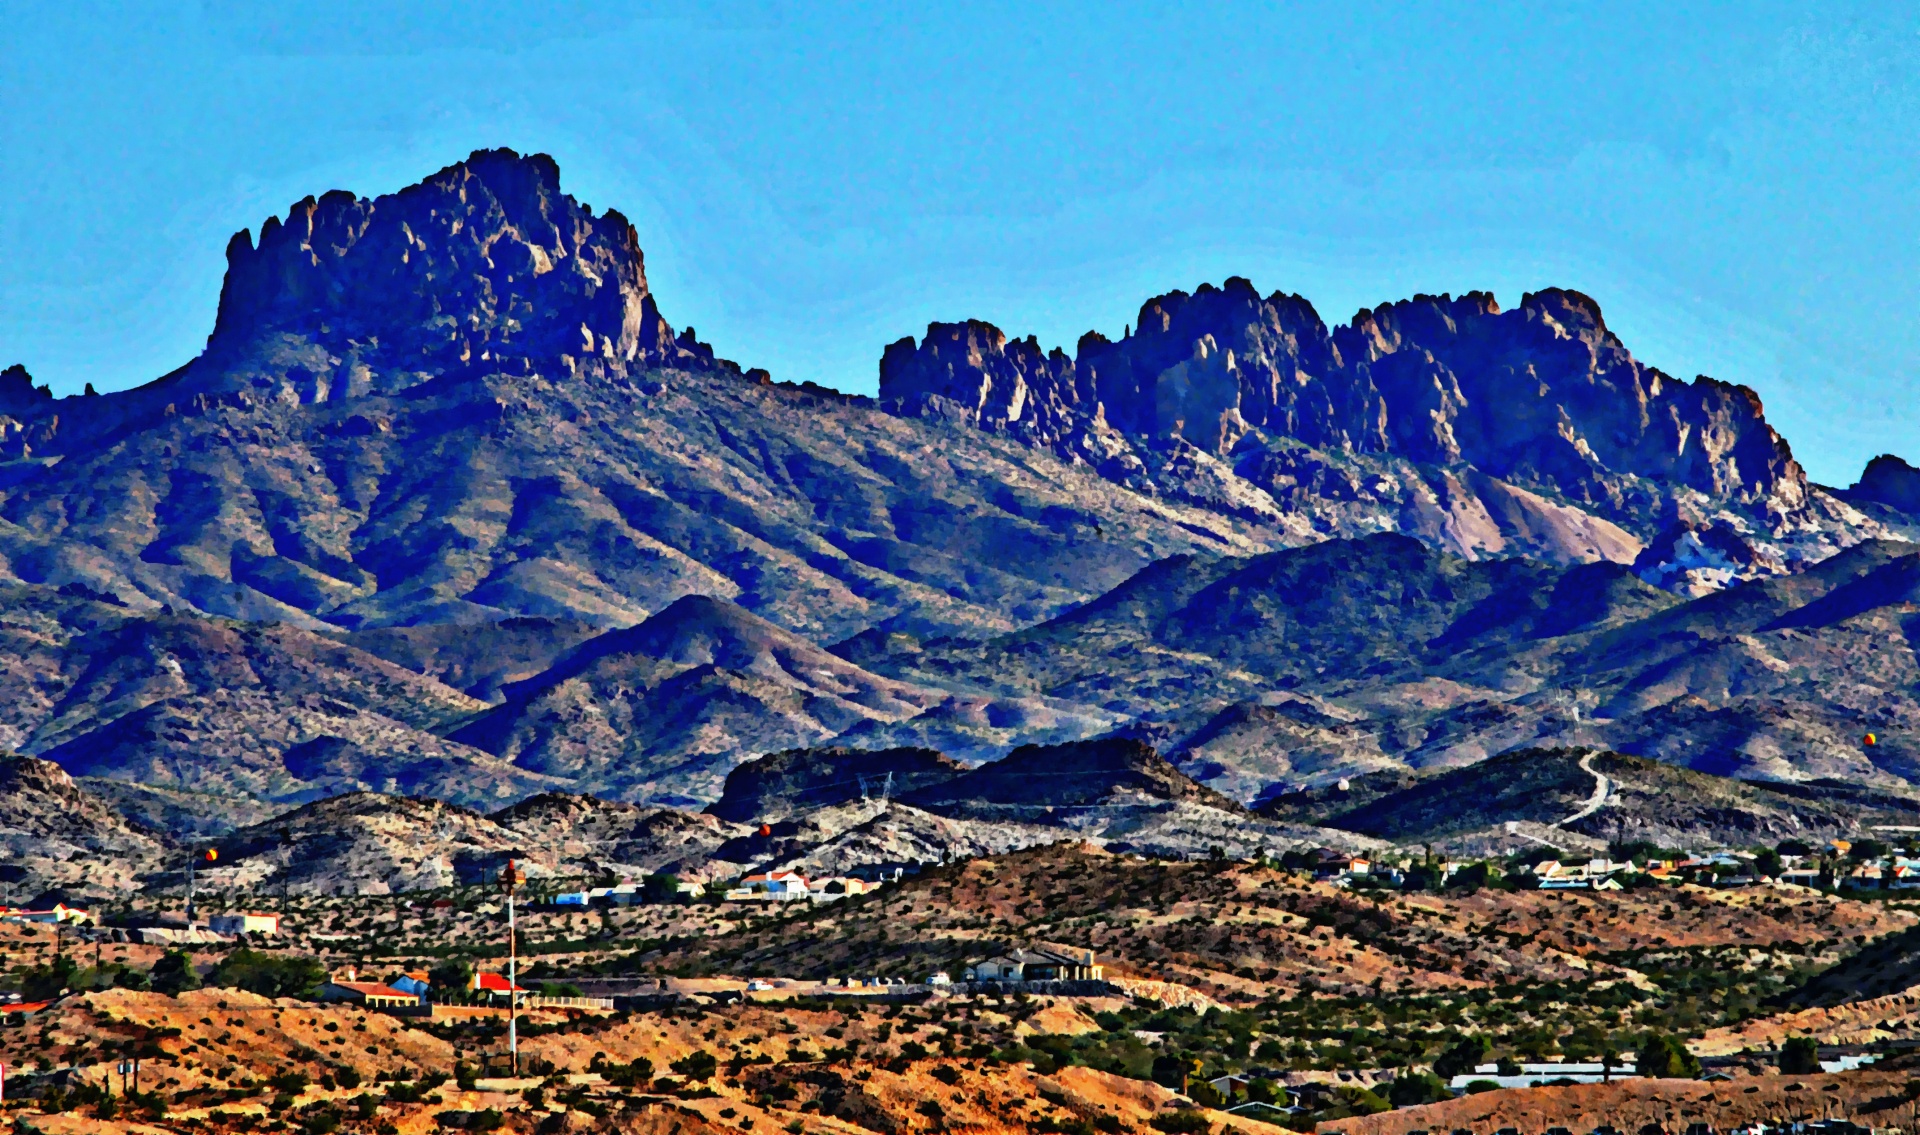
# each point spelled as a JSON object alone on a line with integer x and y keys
{"x": 886, "y": 789}
{"x": 862, "y": 778}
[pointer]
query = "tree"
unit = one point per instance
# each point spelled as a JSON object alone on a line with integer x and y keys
{"x": 449, "y": 978}
{"x": 1466, "y": 1054}
{"x": 1665, "y": 1057}
{"x": 1267, "y": 1091}
{"x": 174, "y": 973}
{"x": 660, "y": 888}
{"x": 1867, "y": 850}
{"x": 1170, "y": 1071}
{"x": 1415, "y": 1088}
{"x": 1799, "y": 1056}
{"x": 269, "y": 975}
{"x": 44, "y": 983}
{"x": 1206, "y": 1095}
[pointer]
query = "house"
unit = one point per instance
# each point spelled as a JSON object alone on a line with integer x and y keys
{"x": 61, "y": 912}
{"x": 371, "y": 994}
{"x": 1271, "y": 1113}
{"x": 1328, "y": 863}
{"x": 1866, "y": 877}
{"x": 1038, "y": 965}
{"x": 494, "y": 985}
{"x": 1229, "y": 1085}
{"x": 1533, "y": 1075}
{"x": 771, "y": 885}
{"x": 1801, "y": 876}
{"x": 414, "y": 982}
{"x": 248, "y": 923}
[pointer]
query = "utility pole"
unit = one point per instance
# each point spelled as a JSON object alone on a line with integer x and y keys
{"x": 209, "y": 855}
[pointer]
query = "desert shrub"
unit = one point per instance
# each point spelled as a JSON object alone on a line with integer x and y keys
{"x": 1184, "y": 1122}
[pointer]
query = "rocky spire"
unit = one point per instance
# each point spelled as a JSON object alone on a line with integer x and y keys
{"x": 486, "y": 263}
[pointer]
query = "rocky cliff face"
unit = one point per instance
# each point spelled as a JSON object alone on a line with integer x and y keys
{"x": 485, "y": 262}
{"x": 1481, "y": 430}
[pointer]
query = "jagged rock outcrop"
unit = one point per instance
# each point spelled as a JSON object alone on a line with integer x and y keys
{"x": 1483, "y": 431}
{"x": 486, "y": 263}
{"x": 1697, "y": 557}
{"x": 1890, "y": 481}
{"x": 779, "y": 785}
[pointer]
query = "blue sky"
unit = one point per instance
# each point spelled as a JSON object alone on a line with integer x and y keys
{"x": 1734, "y": 183}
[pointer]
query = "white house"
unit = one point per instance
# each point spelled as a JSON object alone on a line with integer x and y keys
{"x": 774, "y": 885}
{"x": 1037, "y": 965}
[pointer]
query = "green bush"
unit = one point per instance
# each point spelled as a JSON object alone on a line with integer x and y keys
{"x": 1664, "y": 1057}
{"x": 450, "y": 979}
{"x": 1475, "y": 1087}
{"x": 269, "y": 975}
{"x": 174, "y": 973}
{"x": 1462, "y": 1057}
{"x": 696, "y": 1065}
{"x": 1416, "y": 1088}
{"x": 635, "y": 1075}
{"x": 1799, "y": 1056}
{"x": 44, "y": 983}
{"x": 291, "y": 1082}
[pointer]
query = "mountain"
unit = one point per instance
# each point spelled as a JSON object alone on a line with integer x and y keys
{"x": 479, "y": 659}
{"x": 54, "y": 833}
{"x": 781, "y": 785}
{"x": 1484, "y": 432}
{"x": 249, "y": 710}
{"x": 1349, "y": 656}
{"x": 459, "y": 403}
{"x": 368, "y": 843}
{"x": 447, "y": 507}
{"x": 667, "y": 707}
{"x": 1036, "y": 780}
{"x": 1550, "y": 790}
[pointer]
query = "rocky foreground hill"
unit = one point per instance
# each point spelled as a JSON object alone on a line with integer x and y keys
{"x": 448, "y": 509}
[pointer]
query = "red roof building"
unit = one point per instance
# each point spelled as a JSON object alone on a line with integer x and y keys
{"x": 495, "y": 983}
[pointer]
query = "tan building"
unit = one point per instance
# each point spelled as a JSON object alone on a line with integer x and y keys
{"x": 244, "y": 923}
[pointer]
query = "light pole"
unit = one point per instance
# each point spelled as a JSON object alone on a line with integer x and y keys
{"x": 508, "y": 880}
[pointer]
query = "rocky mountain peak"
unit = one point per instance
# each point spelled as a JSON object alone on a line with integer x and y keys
{"x": 31, "y": 774}
{"x": 1890, "y": 481}
{"x": 486, "y": 262}
{"x": 1240, "y": 401}
{"x": 18, "y": 394}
